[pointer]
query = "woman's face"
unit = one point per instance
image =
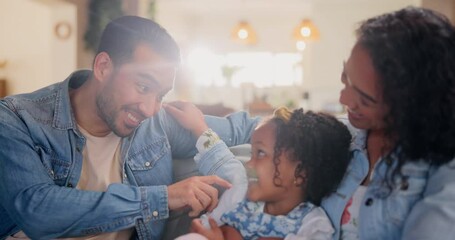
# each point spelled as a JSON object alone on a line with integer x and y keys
{"x": 263, "y": 188}
{"x": 362, "y": 93}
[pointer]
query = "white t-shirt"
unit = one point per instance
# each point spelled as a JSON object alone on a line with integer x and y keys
{"x": 350, "y": 217}
{"x": 101, "y": 166}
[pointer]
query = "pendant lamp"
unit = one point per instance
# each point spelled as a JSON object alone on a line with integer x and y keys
{"x": 243, "y": 33}
{"x": 306, "y": 31}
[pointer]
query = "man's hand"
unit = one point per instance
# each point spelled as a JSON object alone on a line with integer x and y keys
{"x": 188, "y": 115}
{"x": 195, "y": 192}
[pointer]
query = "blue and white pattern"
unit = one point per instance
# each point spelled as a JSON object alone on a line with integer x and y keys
{"x": 251, "y": 221}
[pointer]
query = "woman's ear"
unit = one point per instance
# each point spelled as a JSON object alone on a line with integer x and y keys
{"x": 102, "y": 66}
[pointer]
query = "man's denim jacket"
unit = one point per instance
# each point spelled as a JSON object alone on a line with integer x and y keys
{"x": 41, "y": 159}
{"x": 421, "y": 205}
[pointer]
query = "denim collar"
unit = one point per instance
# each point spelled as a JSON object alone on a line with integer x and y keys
{"x": 63, "y": 112}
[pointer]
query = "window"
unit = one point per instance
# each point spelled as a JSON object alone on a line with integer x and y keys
{"x": 262, "y": 69}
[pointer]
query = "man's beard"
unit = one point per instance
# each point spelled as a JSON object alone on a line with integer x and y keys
{"x": 105, "y": 106}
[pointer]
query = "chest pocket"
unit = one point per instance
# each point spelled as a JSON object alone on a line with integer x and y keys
{"x": 152, "y": 164}
{"x": 56, "y": 166}
{"x": 407, "y": 191}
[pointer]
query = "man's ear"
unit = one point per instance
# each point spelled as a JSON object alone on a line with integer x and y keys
{"x": 102, "y": 66}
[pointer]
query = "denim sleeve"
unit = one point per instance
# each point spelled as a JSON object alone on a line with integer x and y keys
{"x": 235, "y": 129}
{"x": 219, "y": 161}
{"x": 433, "y": 217}
{"x": 44, "y": 210}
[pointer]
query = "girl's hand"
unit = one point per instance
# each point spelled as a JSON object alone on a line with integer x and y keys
{"x": 214, "y": 233}
{"x": 231, "y": 233}
{"x": 188, "y": 115}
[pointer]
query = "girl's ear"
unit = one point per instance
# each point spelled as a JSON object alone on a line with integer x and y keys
{"x": 102, "y": 66}
{"x": 299, "y": 175}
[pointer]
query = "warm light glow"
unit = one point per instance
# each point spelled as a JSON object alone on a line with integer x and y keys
{"x": 244, "y": 33}
{"x": 300, "y": 45}
{"x": 306, "y": 31}
{"x": 204, "y": 65}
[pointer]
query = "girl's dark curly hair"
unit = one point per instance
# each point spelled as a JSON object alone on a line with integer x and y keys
{"x": 319, "y": 142}
{"x": 413, "y": 53}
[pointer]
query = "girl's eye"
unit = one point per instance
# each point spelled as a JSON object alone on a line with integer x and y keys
{"x": 260, "y": 153}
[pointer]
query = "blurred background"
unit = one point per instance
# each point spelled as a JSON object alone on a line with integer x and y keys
{"x": 251, "y": 55}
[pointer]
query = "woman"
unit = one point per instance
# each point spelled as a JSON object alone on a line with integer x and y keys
{"x": 399, "y": 91}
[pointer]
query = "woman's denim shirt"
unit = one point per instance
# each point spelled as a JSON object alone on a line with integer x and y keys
{"x": 41, "y": 159}
{"x": 421, "y": 204}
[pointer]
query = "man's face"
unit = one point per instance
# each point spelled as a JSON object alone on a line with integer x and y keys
{"x": 362, "y": 94}
{"x": 134, "y": 90}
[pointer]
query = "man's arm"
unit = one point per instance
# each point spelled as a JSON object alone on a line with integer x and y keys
{"x": 43, "y": 209}
{"x": 234, "y": 129}
{"x": 214, "y": 157}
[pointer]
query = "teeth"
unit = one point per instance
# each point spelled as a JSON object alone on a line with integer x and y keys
{"x": 252, "y": 180}
{"x": 252, "y": 175}
{"x": 131, "y": 117}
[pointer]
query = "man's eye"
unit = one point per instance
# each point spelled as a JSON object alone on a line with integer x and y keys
{"x": 160, "y": 98}
{"x": 142, "y": 88}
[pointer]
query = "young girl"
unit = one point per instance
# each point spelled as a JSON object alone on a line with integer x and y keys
{"x": 297, "y": 159}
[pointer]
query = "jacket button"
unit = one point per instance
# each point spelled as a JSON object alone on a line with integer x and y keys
{"x": 147, "y": 164}
{"x": 69, "y": 185}
{"x": 404, "y": 185}
{"x": 369, "y": 202}
{"x": 388, "y": 161}
{"x": 155, "y": 213}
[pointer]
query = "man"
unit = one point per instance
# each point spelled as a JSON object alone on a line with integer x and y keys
{"x": 91, "y": 156}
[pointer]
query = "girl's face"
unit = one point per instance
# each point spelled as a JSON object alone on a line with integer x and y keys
{"x": 362, "y": 94}
{"x": 264, "y": 189}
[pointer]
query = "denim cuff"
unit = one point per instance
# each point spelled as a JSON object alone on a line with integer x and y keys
{"x": 154, "y": 203}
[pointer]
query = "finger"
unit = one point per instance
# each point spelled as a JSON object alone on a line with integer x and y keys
{"x": 178, "y": 104}
{"x": 207, "y": 195}
{"x": 212, "y": 179}
{"x": 196, "y": 225}
{"x": 172, "y": 110}
{"x": 196, "y": 207}
{"x": 213, "y": 223}
{"x": 204, "y": 197}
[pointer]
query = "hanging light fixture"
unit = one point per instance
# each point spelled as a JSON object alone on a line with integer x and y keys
{"x": 305, "y": 32}
{"x": 244, "y": 33}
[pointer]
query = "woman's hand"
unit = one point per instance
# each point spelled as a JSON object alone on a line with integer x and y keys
{"x": 188, "y": 115}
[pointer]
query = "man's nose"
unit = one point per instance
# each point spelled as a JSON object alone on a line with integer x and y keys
{"x": 150, "y": 108}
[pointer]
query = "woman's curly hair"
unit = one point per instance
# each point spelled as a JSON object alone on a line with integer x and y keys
{"x": 413, "y": 53}
{"x": 319, "y": 142}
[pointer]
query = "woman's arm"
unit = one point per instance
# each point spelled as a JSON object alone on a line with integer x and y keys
{"x": 433, "y": 217}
